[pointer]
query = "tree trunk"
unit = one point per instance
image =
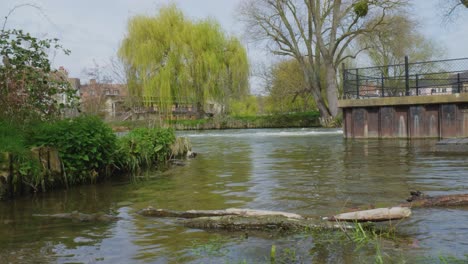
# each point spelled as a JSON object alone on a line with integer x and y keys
{"x": 332, "y": 89}
{"x": 321, "y": 105}
{"x": 315, "y": 90}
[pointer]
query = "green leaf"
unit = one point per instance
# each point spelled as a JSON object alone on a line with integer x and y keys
{"x": 158, "y": 148}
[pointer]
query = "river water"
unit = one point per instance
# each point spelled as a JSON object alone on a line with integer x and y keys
{"x": 313, "y": 172}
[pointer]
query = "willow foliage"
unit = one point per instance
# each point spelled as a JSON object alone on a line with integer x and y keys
{"x": 174, "y": 59}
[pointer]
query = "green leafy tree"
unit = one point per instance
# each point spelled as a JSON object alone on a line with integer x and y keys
{"x": 29, "y": 88}
{"x": 246, "y": 107}
{"x": 287, "y": 91}
{"x": 173, "y": 59}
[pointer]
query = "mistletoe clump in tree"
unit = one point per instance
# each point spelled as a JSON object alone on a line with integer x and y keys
{"x": 29, "y": 88}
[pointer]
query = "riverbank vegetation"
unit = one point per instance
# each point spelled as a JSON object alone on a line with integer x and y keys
{"x": 44, "y": 142}
{"x": 143, "y": 148}
{"x": 41, "y": 156}
{"x": 286, "y": 120}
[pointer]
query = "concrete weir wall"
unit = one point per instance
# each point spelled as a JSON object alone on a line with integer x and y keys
{"x": 439, "y": 116}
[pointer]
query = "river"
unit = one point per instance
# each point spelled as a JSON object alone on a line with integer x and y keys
{"x": 313, "y": 172}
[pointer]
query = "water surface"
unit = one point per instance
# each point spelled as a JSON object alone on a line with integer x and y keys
{"x": 313, "y": 172}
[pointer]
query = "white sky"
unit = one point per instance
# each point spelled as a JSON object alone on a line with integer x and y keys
{"x": 93, "y": 29}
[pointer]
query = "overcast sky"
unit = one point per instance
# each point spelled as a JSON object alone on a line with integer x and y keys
{"x": 93, "y": 29}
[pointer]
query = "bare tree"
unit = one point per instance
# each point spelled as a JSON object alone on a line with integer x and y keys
{"x": 398, "y": 39}
{"x": 452, "y": 7}
{"x": 318, "y": 34}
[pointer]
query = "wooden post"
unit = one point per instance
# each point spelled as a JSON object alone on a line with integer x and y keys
{"x": 11, "y": 174}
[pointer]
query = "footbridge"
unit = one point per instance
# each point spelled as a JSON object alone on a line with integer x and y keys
{"x": 410, "y": 100}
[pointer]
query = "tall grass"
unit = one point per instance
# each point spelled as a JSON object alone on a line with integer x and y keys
{"x": 144, "y": 147}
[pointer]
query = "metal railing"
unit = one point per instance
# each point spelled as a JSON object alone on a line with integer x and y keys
{"x": 407, "y": 79}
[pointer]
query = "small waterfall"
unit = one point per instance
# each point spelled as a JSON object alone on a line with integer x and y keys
{"x": 416, "y": 126}
{"x": 402, "y": 127}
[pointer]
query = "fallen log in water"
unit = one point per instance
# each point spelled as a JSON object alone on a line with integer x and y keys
{"x": 208, "y": 213}
{"x": 418, "y": 199}
{"x": 247, "y": 219}
{"x": 260, "y": 223}
{"x": 374, "y": 215}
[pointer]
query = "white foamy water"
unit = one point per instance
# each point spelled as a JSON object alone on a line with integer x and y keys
{"x": 264, "y": 133}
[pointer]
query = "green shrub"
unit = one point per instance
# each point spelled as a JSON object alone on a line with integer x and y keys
{"x": 12, "y": 138}
{"x": 86, "y": 146}
{"x": 248, "y": 106}
{"x": 144, "y": 147}
{"x": 15, "y": 152}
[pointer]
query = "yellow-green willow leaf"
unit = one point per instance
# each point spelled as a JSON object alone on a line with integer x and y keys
{"x": 173, "y": 59}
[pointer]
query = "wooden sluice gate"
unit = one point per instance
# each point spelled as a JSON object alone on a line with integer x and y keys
{"x": 438, "y": 116}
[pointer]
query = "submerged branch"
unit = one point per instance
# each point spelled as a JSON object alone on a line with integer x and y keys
{"x": 418, "y": 199}
{"x": 260, "y": 223}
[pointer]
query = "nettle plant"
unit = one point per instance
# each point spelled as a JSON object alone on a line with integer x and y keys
{"x": 29, "y": 87}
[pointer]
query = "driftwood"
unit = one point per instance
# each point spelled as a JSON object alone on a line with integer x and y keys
{"x": 418, "y": 199}
{"x": 80, "y": 217}
{"x": 247, "y": 219}
{"x": 374, "y": 215}
{"x": 150, "y": 211}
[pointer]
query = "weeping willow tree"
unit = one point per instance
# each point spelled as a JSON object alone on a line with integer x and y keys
{"x": 174, "y": 60}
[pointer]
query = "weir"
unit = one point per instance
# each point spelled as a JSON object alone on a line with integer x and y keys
{"x": 417, "y": 100}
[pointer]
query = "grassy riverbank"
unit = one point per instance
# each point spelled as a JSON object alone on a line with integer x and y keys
{"x": 287, "y": 120}
{"x": 36, "y": 157}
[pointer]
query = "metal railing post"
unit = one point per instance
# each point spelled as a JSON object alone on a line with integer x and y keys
{"x": 458, "y": 82}
{"x": 345, "y": 90}
{"x": 407, "y": 75}
{"x": 417, "y": 84}
{"x": 357, "y": 83}
{"x": 382, "y": 85}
